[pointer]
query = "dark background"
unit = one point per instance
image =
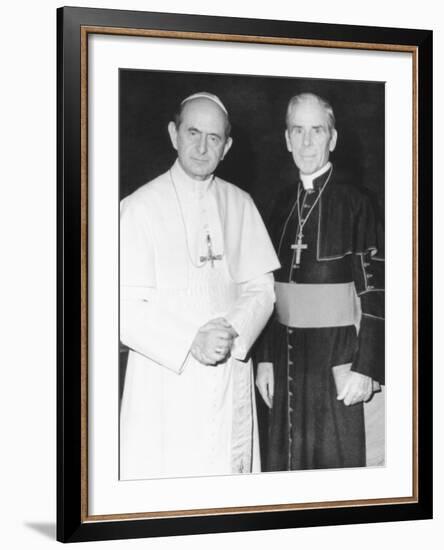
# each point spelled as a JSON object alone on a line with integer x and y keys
{"x": 258, "y": 161}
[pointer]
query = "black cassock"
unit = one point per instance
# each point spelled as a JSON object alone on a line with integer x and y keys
{"x": 329, "y": 312}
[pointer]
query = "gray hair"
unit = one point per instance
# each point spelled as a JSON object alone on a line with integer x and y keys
{"x": 312, "y": 98}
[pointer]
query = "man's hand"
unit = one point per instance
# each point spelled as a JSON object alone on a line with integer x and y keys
{"x": 213, "y": 342}
{"x": 358, "y": 387}
{"x": 265, "y": 382}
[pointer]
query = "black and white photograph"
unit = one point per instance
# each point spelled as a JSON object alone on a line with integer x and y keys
{"x": 245, "y": 206}
{"x": 252, "y": 248}
{"x": 221, "y": 275}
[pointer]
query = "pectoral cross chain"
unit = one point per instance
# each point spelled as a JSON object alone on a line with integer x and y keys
{"x": 299, "y": 247}
{"x": 211, "y": 257}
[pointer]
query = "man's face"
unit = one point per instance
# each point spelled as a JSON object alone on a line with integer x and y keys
{"x": 200, "y": 139}
{"x": 308, "y": 137}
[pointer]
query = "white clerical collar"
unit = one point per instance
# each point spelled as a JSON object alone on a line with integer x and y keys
{"x": 184, "y": 180}
{"x": 308, "y": 179}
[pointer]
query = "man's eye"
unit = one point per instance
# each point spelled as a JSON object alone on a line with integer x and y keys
{"x": 215, "y": 140}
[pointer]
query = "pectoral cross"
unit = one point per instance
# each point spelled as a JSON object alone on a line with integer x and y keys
{"x": 211, "y": 257}
{"x": 299, "y": 247}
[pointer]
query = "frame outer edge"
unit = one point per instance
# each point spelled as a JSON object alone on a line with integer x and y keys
{"x": 59, "y": 423}
{"x": 68, "y": 287}
{"x": 425, "y": 273}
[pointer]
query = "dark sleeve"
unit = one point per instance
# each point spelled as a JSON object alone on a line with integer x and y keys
{"x": 264, "y": 347}
{"x": 369, "y": 359}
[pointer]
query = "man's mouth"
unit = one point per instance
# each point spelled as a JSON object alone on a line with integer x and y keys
{"x": 308, "y": 159}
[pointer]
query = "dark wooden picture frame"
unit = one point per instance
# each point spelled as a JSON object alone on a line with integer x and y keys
{"x": 74, "y": 25}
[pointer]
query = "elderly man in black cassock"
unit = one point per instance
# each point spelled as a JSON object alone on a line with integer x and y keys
{"x": 322, "y": 355}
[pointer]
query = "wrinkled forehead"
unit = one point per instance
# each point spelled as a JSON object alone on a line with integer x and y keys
{"x": 308, "y": 113}
{"x": 204, "y": 112}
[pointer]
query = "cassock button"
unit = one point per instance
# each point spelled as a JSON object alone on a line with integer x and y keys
{"x": 369, "y": 275}
{"x": 290, "y": 346}
{"x": 370, "y": 287}
{"x": 290, "y": 331}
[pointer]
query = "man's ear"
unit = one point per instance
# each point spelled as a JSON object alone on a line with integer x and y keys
{"x": 333, "y": 140}
{"x": 172, "y": 130}
{"x": 227, "y": 147}
{"x": 287, "y": 141}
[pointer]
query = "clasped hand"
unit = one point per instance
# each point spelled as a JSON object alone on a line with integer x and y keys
{"x": 213, "y": 342}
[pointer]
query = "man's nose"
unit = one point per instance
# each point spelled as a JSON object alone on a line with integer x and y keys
{"x": 202, "y": 144}
{"x": 307, "y": 138}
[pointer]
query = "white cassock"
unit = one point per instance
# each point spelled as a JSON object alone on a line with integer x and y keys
{"x": 178, "y": 416}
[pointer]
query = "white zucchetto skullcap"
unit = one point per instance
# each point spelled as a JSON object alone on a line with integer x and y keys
{"x": 209, "y": 96}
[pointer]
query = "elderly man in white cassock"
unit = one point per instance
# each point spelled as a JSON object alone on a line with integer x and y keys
{"x": 196, "y": 291}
